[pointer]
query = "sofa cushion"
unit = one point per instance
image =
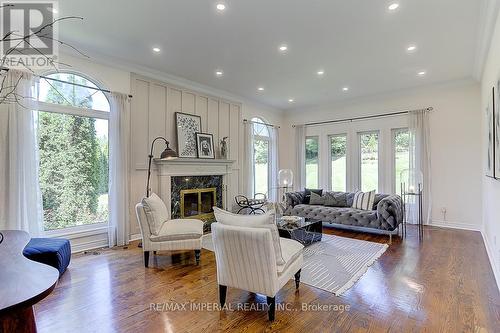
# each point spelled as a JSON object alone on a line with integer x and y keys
{"x": 291, "y": 249}
{"x": 364, "y": 200}
{"x": 179, "y": 229}
{"x": 156, "y": 213}
{"x": 253, "y": 221}
{"x": 336, "y": 199}
{"x": 307, "y": 194}
{"x": 339, "y": 215}
{"x": 317, "y": 199}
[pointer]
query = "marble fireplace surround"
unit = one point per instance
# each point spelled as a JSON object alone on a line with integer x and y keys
{"x": 191, "y": 167}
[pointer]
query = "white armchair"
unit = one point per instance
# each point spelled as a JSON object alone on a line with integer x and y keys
{"x": 178, "y": 234}
{"x": 245, "y": 260}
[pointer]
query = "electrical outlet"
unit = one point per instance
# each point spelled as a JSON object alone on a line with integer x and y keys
{"x": 443, "y": 211}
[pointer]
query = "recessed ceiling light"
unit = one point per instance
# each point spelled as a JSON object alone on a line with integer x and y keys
{"x": 345, "y": 89}
{"x": 283, "y": 48}
{"x": 220, "y": 7}
{"x": 156, "y": 49}
{"x": 260, "y": 88}
{"x": 219, "y": 73}
{"x": 393, "y": 6}
{"x": 53, "y": 10}
{"x": 421, "y": 73}
{"x": 411, "y": 48}
{"x": 320, "y": 72}
{"x": 291, "y": 100}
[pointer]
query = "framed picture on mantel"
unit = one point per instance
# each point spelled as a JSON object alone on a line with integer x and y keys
{"x": 187, "y": 125}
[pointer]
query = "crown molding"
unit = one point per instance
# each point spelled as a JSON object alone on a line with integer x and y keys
{"x": 487, "y": 21}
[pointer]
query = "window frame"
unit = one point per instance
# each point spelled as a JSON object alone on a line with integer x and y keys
{"x": 394, "y": 131}
{"x": 330, "y": 173}
{"x": 88, "y": 229}
{"x": 266, "y": 138}
{"x": 318, "y": 139}
{"x": 360, "y": 174}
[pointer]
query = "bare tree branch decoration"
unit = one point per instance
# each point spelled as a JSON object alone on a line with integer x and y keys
{"x": 8, "y": 93}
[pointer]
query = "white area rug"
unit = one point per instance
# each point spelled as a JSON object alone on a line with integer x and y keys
{"x": 335, "y": 263}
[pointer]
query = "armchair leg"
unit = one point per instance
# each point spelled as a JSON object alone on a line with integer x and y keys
{"x": 297, "y": 279}
{"x": 197, "y": 256}
{"x": 146, "y": 258}
{"x": 154, "y": 252}
{"x": 222, "y": 295}
{"x": 271, "y": 303}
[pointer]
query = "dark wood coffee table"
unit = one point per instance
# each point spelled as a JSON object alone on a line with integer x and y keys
{"x": 305, "y": 231}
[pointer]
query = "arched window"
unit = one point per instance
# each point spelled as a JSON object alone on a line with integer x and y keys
{"x": 261, "y": 157}
{"x": 72, "y": 131}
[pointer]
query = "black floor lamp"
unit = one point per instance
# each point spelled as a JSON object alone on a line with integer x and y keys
{"x": 167, "y": 154}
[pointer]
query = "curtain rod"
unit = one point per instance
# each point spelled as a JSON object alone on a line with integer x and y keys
{"x": 363, "y": 117}
{"x": 67, "y": 82}
{"x": 257, "y": 122}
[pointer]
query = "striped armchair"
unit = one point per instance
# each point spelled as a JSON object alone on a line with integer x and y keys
{"x": 245, "y": 260}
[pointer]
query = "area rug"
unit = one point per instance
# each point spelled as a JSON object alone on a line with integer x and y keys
{"x": 335, "y": 263}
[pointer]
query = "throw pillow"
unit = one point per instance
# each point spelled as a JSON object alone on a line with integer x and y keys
{"x": 363, "y": 200}
{"x": 254, "y": 221}
{"x": 307, "y": 194}
{"x": 336, "y": 199}
{"x": 316, "y": 199}
{"x": 156, "y": 213}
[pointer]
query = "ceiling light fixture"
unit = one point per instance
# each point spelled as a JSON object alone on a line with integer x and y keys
{"x": 320, "y": 72}
{"x": 220, "y": 7}
{"x": 219, "y": 73}
{"x": 260, "y": 88}
{"x": 283, "y": 48}
{"x": 411, "y": 48}
{"x": 393, "y": 6}
{"x": 421, "y": 73}
{"x": 156, "y": 49}
{"x": 291, "y": 100}
{"x": 345, "y": 89}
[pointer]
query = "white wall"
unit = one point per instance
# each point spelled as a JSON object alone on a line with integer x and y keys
{"x": 491, "y": 187}
{"x": 455, "y": 148}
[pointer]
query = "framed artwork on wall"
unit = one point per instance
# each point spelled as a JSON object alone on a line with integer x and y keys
{"x": 205, "y": 145}
{"x": 187, "y": 125}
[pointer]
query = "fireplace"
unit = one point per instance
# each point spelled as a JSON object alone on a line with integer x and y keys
{"x": 198, "y": 203}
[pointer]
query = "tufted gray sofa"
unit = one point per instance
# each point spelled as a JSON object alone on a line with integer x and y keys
{"x": 385, "y": 217}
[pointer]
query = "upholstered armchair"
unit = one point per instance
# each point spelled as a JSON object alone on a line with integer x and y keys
{"x": 162, "y": 234}
{"x": 245, "y": 260}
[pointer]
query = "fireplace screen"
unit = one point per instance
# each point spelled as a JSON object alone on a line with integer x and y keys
{"x": 198, "y": 203}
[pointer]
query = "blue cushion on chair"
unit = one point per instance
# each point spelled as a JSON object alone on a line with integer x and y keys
{"x": 55, "y": 252}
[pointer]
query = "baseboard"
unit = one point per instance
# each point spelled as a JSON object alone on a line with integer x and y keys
{"x": 87, "y": 246}
{"x": 455, "y": 225}
{"x": 492, "y": 260}
{"x": 135, "y": 237}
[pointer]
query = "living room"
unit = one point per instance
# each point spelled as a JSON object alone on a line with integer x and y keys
{"x": 230, "y": 166}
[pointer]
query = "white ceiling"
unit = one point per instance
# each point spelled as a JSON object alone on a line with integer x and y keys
{"x": 359, "y": 43}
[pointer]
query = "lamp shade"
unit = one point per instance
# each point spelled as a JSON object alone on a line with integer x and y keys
{"x": 285, "y": 178}
{"x": 168, "y": 153}
{"x": 411, "y": 180}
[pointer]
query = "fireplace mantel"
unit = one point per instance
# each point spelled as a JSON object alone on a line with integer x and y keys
{"x": 168, "y": 168}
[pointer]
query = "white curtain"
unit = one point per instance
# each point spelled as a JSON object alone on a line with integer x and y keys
{"x": 20, "y": 196}
{"x": 300, "y": 143}
{"x": 119, "y": 140}
{"x": 274, "y": 163}
{"x": 420, "y": 161}
{"x": 248, "y": 153}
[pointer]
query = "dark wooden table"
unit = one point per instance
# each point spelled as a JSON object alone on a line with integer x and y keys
{"x": 305, "y": 231}
{"x": 23, "y": 283}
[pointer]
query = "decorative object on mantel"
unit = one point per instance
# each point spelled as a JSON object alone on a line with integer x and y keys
{"x": 205, "y": 145}
{"x": 411, "y": 193}
{"x": 168, "y": 154}
{"x": 187, "y": 125}
{"x": 223, "y": 148}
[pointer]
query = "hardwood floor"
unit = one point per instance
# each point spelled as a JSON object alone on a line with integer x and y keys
{"x": 444, "y": 284}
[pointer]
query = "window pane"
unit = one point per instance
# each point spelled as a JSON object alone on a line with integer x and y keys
{"x": 67, "y": 94}
{"x": 259, "y": 128}
{"x": 261, "y": 165}
{"x": 401, "y": 155}
{"x": 338, "y": 162}
{"x": 73, "y": 169}
{"x": 369, "y": 161}
{"x": 312, "y": 164}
